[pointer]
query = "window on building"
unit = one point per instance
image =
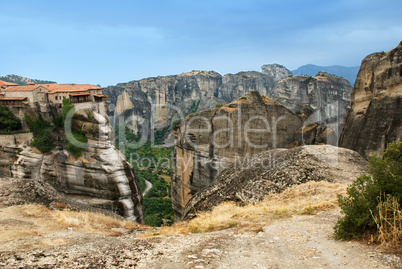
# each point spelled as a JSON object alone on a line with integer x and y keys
{"x": 55, "y": 98}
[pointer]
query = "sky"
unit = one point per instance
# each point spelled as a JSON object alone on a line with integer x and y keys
{"x": 108, "y": 42}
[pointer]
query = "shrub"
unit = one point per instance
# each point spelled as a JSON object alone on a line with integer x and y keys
{"x": 218, "y": 105}
{"x": 67, "y": 106}
{"x": 367, "y": 192}
{"x": 43, "y": 139}
{"x": 243, "y": 97}
{"x": 193, "y": 107}
{"x": 8, "y": 121}
{"x": 309, "y": 80}
{"x": 72, "y": 148}
{"x": 58, "y": 121}
{"x": 44, "y": 143}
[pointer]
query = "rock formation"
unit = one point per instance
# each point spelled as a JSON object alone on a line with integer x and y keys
{"x": 374, "y": 119}
{"x": 321, "y": 92}
{"x": 277, "y": 71}
{"x": 155, "y": 103}
{"x": 207, "y": 141}
{"x": 101, "y": 177}
{"x": 251, "y": 179}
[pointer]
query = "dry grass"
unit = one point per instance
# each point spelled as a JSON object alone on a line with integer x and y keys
{"x": 84, "y": 160}
{"x": 307, "y": 198}
{"x": 166, "y": 178}
{"x": 37, "y": 151}
{"x": 92, "y": 222}
{"x": 37, "y": 220}
{"x": 389, "y": 223}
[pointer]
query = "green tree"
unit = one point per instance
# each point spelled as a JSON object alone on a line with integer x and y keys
{"x": 67, "y": 107}
{"x": 43, "y": 139}
{"x": 72, "y": 148}
{"x": 8, "y": 121}
{"x": 364, "y": 195}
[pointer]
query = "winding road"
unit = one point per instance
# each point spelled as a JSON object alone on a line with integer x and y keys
{"x": 149, "y": 186}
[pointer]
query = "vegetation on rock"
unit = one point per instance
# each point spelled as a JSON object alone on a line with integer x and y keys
{"x": 67, "y": 107}
{"x": 72, "y": 148}
{"x": 8, "y": 121}
{"x": 194, "y": 107}
{"x": 41, "y": 129}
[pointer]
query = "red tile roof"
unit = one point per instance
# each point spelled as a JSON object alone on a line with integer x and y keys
{"x": 99, "y": 95}
{"x": 5, "y": 83}
{"x": 21, "y": 88}
{"x": 53, "y": 88}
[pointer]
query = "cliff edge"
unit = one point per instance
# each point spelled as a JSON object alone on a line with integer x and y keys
{"x": 374, "y": 119}
{"x": 101, "y": 177}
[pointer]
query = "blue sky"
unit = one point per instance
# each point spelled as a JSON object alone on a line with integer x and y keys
{"x": 107, "y": 42}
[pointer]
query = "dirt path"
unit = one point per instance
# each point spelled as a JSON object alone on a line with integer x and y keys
{"x": 297, "y": 242}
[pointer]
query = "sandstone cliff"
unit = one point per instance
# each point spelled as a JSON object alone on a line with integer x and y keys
{"x": 155, "y": 103}
{"x": 207, "y": 141}
{"x": 374, "y": 119}
{"x": 321, "y": 92}
{"x": 250, "y": 180}
{"x": 276, "y": 71}
{"x": 101, "y": 177}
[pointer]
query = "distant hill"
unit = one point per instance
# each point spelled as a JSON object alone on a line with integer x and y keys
{"x": 349, "y": 73}
{"x": 23, "y": 80}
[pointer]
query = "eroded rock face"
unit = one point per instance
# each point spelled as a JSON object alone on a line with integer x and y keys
{"x": 277, "y": 71}
{"x": 207, "y": 141}
{"x": 101, "y": 177}
{"x": 323, "y": 91}
{"x": 250, "y": 180}
{"x": 155, "y": 103}
{"x": 374, "y": 119}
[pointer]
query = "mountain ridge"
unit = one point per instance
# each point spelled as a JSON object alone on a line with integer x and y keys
{"x": 24, "y": 80}
{"x": 349, "y": 73}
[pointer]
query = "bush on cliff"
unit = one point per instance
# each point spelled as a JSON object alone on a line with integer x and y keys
{"x": 74, "y": 149}
{"x": 8, "y": 121}
{"x": 67, "y": 107}
{"x": 369, "y": 198}
{"x": 43, "y": 139}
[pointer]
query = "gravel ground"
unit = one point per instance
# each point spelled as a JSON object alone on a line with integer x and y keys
{"x": 302, "y": 241}
{"x": 297, "y": 242}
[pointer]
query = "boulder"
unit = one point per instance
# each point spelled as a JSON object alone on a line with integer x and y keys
{"x": 251, "y": 179}
{"x": 207, "y": 141}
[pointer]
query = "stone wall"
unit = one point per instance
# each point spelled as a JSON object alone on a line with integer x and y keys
{"x": 16, "y": 139}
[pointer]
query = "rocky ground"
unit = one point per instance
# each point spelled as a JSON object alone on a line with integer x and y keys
{"x": 303, "y": 241}
{"x": 300, "y": 241}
